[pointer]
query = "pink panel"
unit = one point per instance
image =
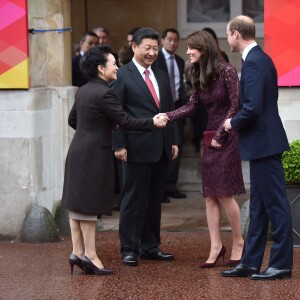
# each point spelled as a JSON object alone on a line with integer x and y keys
{"x": 282, "y": 42}
{"x": 10, "y": 13}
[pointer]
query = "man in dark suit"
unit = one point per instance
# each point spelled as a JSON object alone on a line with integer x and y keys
{"x": 88, "y": 40}
{"x": 173, "y": 64}
{"x": 145, "y": 156}
{"x": 262, "y": 141}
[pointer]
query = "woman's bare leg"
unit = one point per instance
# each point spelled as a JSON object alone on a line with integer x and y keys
{"x": 213, "y": 215}
{"x": 77, "y": 239}
{"x": 88, "y": 229}
{"x": 232, "y": 212}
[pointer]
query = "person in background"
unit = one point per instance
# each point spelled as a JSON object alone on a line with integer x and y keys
{"x": 130, "y": 34}
{"x": 143, "y": 91}
{"x": 89, "y": 170}
{"x": 75, "y": 49}
{"x": 216, "y": 85}
{"x": 125, "y": 54}
{"x": 222, "y": 53}
{"x": 173, "y": 64}
{"x": 88, "y": 40}
{"x": 262, "y": 142}
{"x": 104, "y": 39}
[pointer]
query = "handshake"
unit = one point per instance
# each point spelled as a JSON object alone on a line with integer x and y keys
{"x": 160, "y": 120}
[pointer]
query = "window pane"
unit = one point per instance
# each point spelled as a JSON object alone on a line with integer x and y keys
{"x": 207, "y": 11}
{"x": 254, "y": 9}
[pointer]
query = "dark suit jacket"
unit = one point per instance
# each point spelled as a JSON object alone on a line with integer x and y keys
{"x": 136, "y": 99}
{"x": 258, "y": 122}
{"x": 89, "y": 170}
{"x": 161, "y": 63}
{"x": 77, "y": 77}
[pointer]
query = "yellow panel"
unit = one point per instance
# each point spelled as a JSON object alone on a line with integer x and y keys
{"x": 17, "y": 77}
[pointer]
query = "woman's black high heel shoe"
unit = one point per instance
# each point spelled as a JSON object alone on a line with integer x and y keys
{"x": 75, "y": 260}
{"x": 212, "y": 265}
{"x": 90, "y": 268}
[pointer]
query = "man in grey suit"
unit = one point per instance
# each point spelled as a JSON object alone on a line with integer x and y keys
{"x": 173, "y": 64}
{"x": 143, "y": 91}
{"x": 262, "y": 141}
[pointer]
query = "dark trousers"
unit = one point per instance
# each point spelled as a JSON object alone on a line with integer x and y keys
{"x": 140, "y": 212}
{"x": 268, "y": 202}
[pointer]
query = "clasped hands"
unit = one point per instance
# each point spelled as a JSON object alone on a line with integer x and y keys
{"x": 160, "y": 120}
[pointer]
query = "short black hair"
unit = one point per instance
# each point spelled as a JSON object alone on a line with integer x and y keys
{"x": 173, "y": 30}
{"x": 145, "y": 33}
{"x": 92, "y": 59}
{"x": 88, "y": 33}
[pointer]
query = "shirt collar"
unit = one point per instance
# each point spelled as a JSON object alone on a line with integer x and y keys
{"x": 141, "y": 68}
{"x": 247, "y": 49}
{"x": 166, "y": 53}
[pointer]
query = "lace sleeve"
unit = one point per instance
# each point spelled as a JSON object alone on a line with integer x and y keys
{"x": 186, "y": 110}
{"x": 233, "y": 88}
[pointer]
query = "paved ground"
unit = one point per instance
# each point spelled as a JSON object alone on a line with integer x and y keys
{"x": 181, "y": 214}
{"x": 42, "y": 271}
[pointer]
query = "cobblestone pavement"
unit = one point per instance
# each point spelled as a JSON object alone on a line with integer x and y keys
{"x": 41, "y": 271}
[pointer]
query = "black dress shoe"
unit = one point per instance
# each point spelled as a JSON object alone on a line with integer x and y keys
{"x": 240, "y": 270}
{"x": 157, "y": 256}
{"x": 130, "y": 260}
{"x": 176, "y": 194}
{"x": 165, "y": 199}
{"x": 271, "y": 273}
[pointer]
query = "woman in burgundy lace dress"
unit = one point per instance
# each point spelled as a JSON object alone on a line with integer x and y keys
{"x": 216, "y": 85}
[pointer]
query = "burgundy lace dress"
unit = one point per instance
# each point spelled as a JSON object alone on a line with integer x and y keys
{"x": 221, "y": 169}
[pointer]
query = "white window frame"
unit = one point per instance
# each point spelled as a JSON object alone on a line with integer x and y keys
{"x": 186, "y": 28}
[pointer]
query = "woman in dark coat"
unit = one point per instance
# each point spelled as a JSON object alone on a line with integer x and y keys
{"x": 89, "y": 170}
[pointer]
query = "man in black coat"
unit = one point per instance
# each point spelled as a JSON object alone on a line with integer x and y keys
{"x": 88, "y": 40}
{"x": 173, "y": 64}
{"x": 143, "y": 91}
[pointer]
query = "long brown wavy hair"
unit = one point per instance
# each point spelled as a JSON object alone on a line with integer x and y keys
{"x": 208, "y": 68}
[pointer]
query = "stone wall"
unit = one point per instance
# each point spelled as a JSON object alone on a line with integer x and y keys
{"x": 34, "y": 135}
{"x": 34, "y": 138}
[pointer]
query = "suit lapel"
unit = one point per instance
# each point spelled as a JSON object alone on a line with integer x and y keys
{"x": 181, "y": 70}
{"x": 161, "y": 85}
{"x": 161, "y": 62}
{"x": 140, "y": 82}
